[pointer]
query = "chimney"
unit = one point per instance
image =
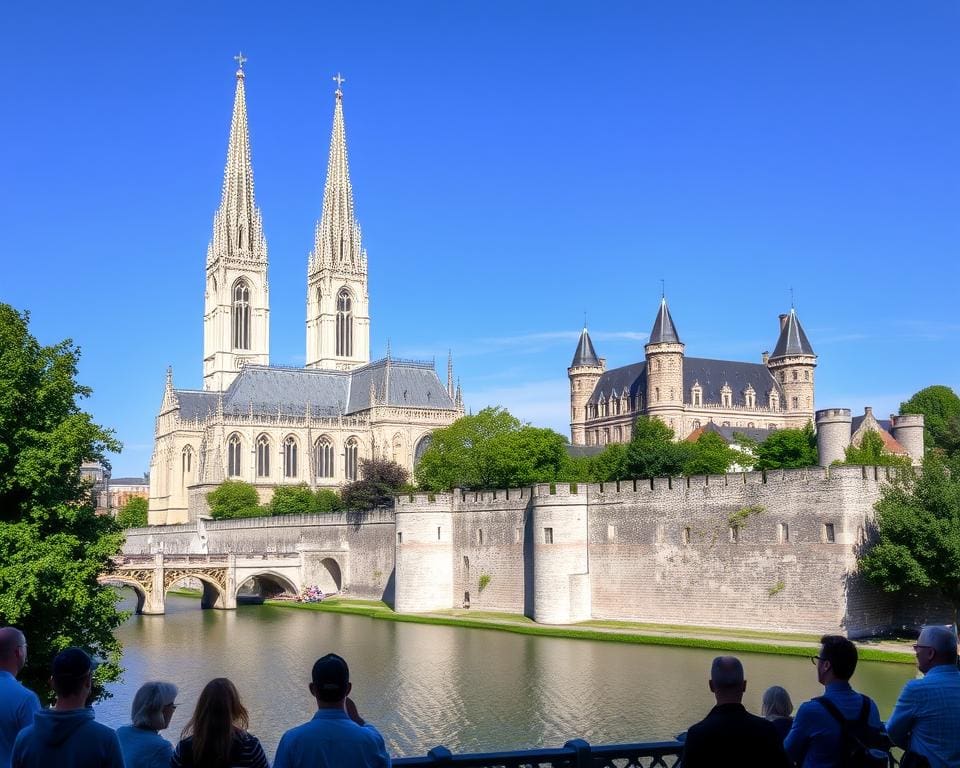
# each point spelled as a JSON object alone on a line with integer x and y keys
{"x": 764, "y": 356}
{"x": 868, "y": 410}
{"x": 783, "y": 321}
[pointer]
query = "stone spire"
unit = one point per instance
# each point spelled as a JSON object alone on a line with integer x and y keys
{"x": 664, "y": 331}
{"x": 337, "y": 241}
{"x": 585, "y": 354}
{"x": 237, "y": 225}
{"x": 792, "y": 340}
{"x": 450, "y": 390}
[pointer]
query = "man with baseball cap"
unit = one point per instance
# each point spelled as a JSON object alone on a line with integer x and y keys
{"x": 337, "y": 735}
{"x": 67, "y": 736}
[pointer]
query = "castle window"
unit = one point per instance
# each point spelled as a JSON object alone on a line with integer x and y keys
{"x": 399, "y": 537}
{"x": 611, "y": 532}
{"x": 783, "y": 533}
{"x": 421, "y": 448}
{"x": 233, "y": 456}
{"x": 241, "y": 315}
{"x": 187, "y": 461}
{"x": 618, "y": 434}
{"x": 657, "y": 365}
{"x": 829, "y": 533}
{"x": 734, "y": 534}
{"x": 696, "y": 394}
{"x": 344, "y": 324}
{"x": 783, "y": 376}
{"x": 861, "y": 535}
{"x": 696, "y": 424}
{"x": 263, "y": 456}
{"x": 794, "y": 375}
{"x": 606, "y": 435}
{"x": 517, "y": 536}
{"x": 351, "y": 452}
{"x": 479, "y": 535}
{"x": 685, "y": 536}
{"x": 750, "y": 396}
{"x": 726, "y": 396}
{"x": 806, "y": 375}
{"x": 290, "y": 457}
{"x": 725, "y": 424}
{"x": 671, "y": 394}
{"x": 774, "y": 401}
{"x": 796, "y": 402}
{"x": 657, "y": 393}
{"x": 548, "y": 535}
{"x": 323, "y": 457}
{"x": 750, "y": 424}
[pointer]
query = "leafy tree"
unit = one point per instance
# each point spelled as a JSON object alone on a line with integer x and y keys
{"x": 872, "y": 453}
{"x": 652, "y": 451}
{"x": 234, "y": 498}
{"x": 491, "y": 449}
{"x": 327, "y": 500}
{"x": 300, "y": 500}
{"x": 710, "y": 455}
{"x": 940, "y": 407}
{"x": 917, "y": 546}
{"x": 380, "y": 480}
{"x": 609, "y": 465}
{"x": 52, "y": 544}
{"x": 133, "y": 514}
{"x": 788, "y": 449}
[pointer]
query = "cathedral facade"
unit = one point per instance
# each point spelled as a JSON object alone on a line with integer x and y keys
{"x": 690, "y": 393}
{"x": 273, "y": 425}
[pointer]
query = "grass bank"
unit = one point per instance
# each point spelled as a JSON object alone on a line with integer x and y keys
{"x": 607, "y": 632}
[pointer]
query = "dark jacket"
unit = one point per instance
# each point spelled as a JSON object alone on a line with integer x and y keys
{"x": 71, "y": 739}
{"x": 731, "y": 736}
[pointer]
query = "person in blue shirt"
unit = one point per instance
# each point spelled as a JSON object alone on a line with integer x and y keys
{"x": 337, "y": 735}
{"x": 142, "y": 745}
{"x": 17, "y": 703}
{"x": 67, "y": 736}
{"x": 814, "y": 741}
{"x": 926, "y": 718}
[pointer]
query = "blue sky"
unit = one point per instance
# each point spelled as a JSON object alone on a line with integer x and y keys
{"x": 514, "y": 166}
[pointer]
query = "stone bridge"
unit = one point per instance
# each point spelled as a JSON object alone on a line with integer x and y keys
{"x": 224, "y": 578}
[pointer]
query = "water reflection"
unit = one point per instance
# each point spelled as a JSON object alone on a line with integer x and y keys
{"x": 472, "y": 690}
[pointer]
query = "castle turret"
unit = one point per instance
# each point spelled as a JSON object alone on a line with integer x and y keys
{"x": 664, "y": 353}
{"x": 833, "y": 434}
{"x": 584, "y": 373}
{"x": 424, "y": 553}
{"x": 907, "y": 430}
{"x": 792, "y": 363}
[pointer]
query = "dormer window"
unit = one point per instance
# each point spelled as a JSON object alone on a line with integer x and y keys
{"x": 696, "y": 394}
{"x": 750, "y": 396}
{"x": 726, "y": 396}
{"x": 774, "y": 400}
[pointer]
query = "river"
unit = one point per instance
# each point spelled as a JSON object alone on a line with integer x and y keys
{"x": 468, "y": 689}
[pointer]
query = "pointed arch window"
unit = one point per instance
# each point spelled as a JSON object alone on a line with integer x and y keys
{"x": 233, "y": 456}
{"x": 263, "y": 456}
{"x": 323, "y": 457}
{"x": 290, "y": 457}
{"x": 421, "y": 448}
{"x": 351, "y": 454}
{"x": 344, "y": 324}
{"x": 241, "y": 315}
{"x": 186, "y": 464}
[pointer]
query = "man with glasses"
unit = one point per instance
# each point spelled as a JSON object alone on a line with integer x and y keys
{"x": 926, "y": 719}
{"x": 17, "y": 703}
{"x": 816, "y": 739}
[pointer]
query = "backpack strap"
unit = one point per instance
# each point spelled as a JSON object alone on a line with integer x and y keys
{"x": 864, "y": 711}
{"x": 837, "y": 715}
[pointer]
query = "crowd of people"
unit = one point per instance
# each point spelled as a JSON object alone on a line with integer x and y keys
{"x": 841, "y": 728}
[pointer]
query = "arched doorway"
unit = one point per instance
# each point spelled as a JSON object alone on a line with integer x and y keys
{"x": 330, "y": 576}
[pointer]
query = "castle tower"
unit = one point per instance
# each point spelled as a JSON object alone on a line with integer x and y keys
{"x": 584, "y": 373}
{"x": 664, "y": 353}
{"x": 338, "y": 314}
{"x": 833, "y": 434}
{"x": 792, "y": 363}
{"x": 907, "y": 430}
{"x": 236, "y": 316}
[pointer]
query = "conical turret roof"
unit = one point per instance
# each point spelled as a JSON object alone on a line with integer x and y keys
{"x": 585, "y": 354}
{"x": 664, "y": 331}
{"x": 792, "y": 341}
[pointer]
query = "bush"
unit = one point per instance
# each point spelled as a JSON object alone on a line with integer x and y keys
{"x": 300, "y": 500}
{"x": 232, "y": 499}
{"x": 380, "y": 481}
{"x": 133, "y": 514}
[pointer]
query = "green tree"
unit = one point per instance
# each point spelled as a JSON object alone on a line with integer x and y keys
{"x": 872, "y": 453}
{"x": 380, "y": 480}
{"x": 327, "y": 500}
{"x": 940, "y": 407}
{"x": 788, "y": 449}
{"x": 234, "y": 498}
{"x": 916, "y": 550}
{"x": 52, "y": 544}
{"x": 300, "y": 500}
{"x": 710, "y": 455}
{"x": 652, "y": 451}
{"x": 609, "y": 465}
{"x": 491, "y": 449}
{"x": 133, "y": 514}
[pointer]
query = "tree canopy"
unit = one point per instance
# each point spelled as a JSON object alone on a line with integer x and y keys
{"x": 940, "y": 407}
{"x": 380, "y": 480}
{"x": 133, "y": 514}
{"x": 652, "y": 451}
{"x": 232, "y": 499}
{"x": 52, "y": 544}
{"x": 872, "y": 453}
{"x": 491, "y": 449}
{"x": 917, "y": 545}
{"x": 710, "y": 455}
{"x": 301, "y": 500}
{"x": 787, "y": 449}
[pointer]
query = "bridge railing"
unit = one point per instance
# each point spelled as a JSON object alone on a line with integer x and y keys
{"x": 171, "y": 559}
{"x": 573, "y": 754}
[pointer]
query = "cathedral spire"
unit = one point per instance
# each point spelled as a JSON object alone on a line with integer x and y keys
{"x": 337, "y": 241}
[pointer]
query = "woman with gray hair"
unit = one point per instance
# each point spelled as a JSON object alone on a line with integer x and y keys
{"x": 777, "y": 708}
{"x": 141, "y": 744}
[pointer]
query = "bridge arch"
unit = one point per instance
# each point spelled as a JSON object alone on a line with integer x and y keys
{"x": 330, "y": 575}
{"x": 265, "y": 584}
{"x": 214, "y": 591}
{"x": 136, "y": 586}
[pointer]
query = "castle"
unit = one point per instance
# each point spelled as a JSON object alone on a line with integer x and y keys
{"x": 272, "y": 425}
{"x": 688, "y": 393}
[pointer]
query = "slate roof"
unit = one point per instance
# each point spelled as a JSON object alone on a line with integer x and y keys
{"x": 269, "y": 389}
{"x": 579, "y": 451}
{"x": 858, "y": 420}
{"x": 792, "y": 341}
{"x": 632, "y": 378}
{"x": 664, "y": 331}
{"x": 585, "y": 354}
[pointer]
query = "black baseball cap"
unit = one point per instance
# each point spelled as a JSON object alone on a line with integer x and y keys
{"x": 331, "y": 675}
{"x": 72, "y": 663}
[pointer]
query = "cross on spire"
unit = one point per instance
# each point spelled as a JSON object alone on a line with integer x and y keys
{"x": 339, "y": 80}
{"x": 241, "y": 60}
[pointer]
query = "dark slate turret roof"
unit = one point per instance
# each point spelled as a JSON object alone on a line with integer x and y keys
{"x": 585, "y": 354}
{"x": 792, "y": 341}
{"x": 664, "y": 331}
{"x": 272, "y": 389}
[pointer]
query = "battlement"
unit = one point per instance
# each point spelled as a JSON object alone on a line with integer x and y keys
{"x": 833, "y": 413}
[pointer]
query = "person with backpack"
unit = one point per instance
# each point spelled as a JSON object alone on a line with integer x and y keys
{"x": 842, "y": 728}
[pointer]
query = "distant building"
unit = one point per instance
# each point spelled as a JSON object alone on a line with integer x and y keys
{"x": 98, "y": 476}
{"x": 122, "y": 489}
{"x": 837, "y": 429}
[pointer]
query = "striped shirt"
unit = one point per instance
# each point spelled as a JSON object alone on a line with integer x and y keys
{"x": 245, "y": 752}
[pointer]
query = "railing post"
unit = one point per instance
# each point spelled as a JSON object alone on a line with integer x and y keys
{"x": 581, "y": 752}
{"x": 440, "y": 755}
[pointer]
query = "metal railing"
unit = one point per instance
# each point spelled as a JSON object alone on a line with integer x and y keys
{"x": 574, "y": 754}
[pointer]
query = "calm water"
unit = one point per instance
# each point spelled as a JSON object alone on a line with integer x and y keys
{"x": 469, "y": 689}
